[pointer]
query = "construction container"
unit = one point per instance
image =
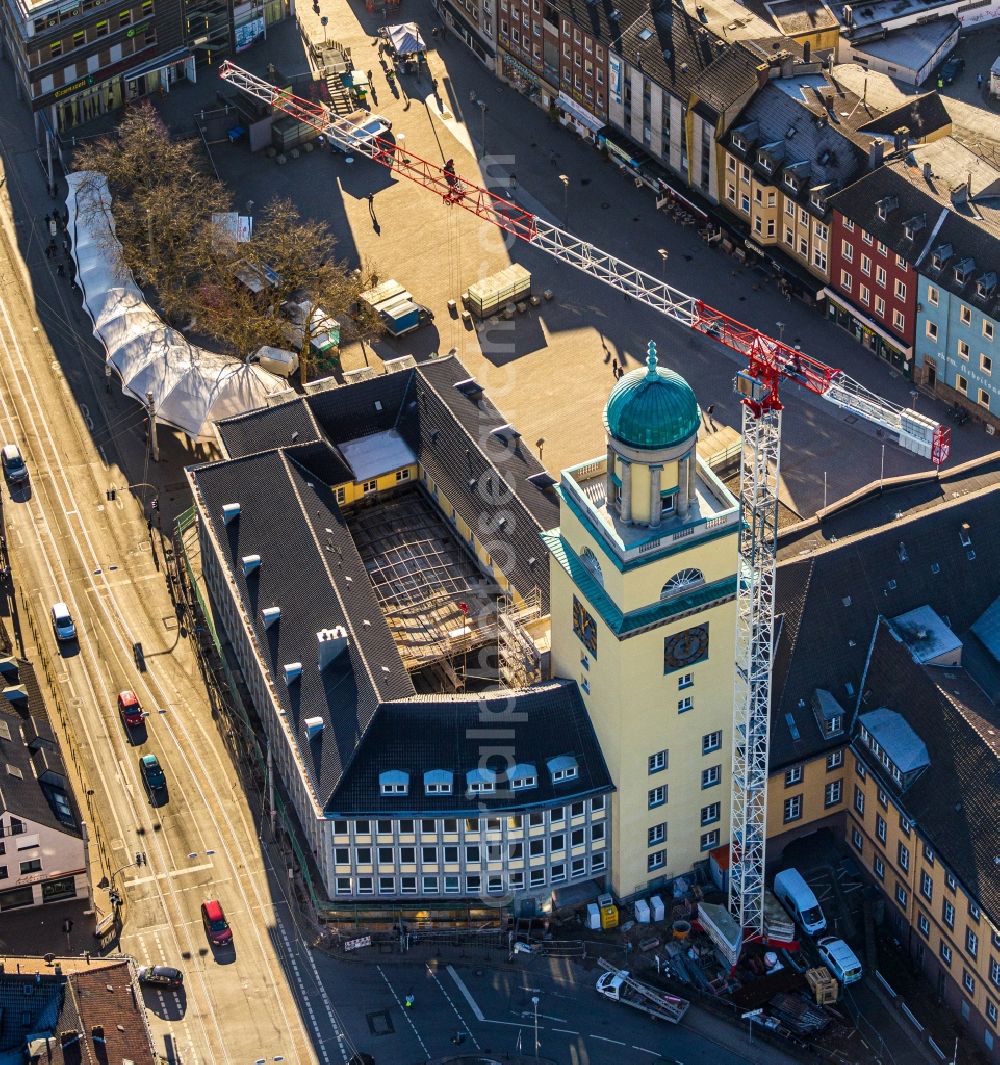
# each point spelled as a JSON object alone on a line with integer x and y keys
{"x": 593, "y": 916}
{"x": 657, "y": 908}
{"x": 824, "y": 987}
{"x": 641, "y": 911}
{"x": 494, "y": 293}
{"x": 609, "y": 912}
{"x": 287, "y": 133}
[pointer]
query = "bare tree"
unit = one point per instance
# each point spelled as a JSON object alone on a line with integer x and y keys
{"x": 289, "y": 260}
{"x": 162, "y": 202}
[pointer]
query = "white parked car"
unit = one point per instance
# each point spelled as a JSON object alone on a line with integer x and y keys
{"x": 840, "y": 960}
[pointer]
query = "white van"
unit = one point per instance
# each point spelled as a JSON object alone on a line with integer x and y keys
{"x": 840, "y": 960}
{"x": 797, "y": 897}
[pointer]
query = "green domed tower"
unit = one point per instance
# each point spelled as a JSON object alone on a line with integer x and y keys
{"x": 652, "y": 419}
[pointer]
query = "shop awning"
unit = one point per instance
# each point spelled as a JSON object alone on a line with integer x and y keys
{"x": 583, "y": 116}
{"x": 405, "y": 39}
{"x": 160, "y": 62}
{"x": 894, "y": 342}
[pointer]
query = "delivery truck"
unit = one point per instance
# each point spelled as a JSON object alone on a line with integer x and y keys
{"x": 619, "y": 986}
{"x": 396, "y": 307}
{"x": 492, "y": 294}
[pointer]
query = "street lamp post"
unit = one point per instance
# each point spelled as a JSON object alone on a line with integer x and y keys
{"x": 534, "y": 1002}
{"x": 663, "y": 253}
{"x": 781, "y": 332}
{"x": 324, "y": 22}
{"x": 564, "y": 178}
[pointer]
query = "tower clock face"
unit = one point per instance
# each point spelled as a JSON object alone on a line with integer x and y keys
{"x": 686, "y": 648}
{"x": 585, "y": 626}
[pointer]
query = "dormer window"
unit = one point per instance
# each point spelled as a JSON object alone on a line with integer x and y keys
{"x": 765, "y": 162}
{"x": 964, "y": 270}
{"x": 936, "y": 261}
{"x": 438, "y": 782}
{"x": 563, "y": 769}
{"x": 986, "y": 286}
{"x": 882, "y": 212}
{"x": 481, "y": 781}
{"x": 739, "y": 142}
{"x": 523, "y": 777}
{"x": 394, "y": 782}
{"x": 834, "y": 726}
{"x": 818, "y": 201}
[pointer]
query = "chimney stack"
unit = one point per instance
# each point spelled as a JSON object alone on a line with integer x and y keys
{"x": 293, "y": 670}
{"x": 312, "y": 726}
{"x": 787, "y": 65}
{"x": 230, "y": 511}
{"x": 270, "y": 614}
{"x": 806, "y": 51}
{"x": 331, "y": 642}
{"x": 251, "y": 563}
{"x": 876, "y": 154}
{"x": 928, "y": 172}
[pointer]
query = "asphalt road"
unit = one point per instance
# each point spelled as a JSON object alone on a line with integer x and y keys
{"x": 490, "y": 1008}
{"x": 69, "y": 542}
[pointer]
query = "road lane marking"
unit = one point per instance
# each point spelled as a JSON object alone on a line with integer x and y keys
{"x": 466, "y": 994}
{"x": 404, "y": 1011}
{"x": 461, "y": 1019}
{"x": 604, "y": 1039}
{"x": 565, "y": 1031}
{"x": 644, "y": 1050}
{"x": 171, "y": 873}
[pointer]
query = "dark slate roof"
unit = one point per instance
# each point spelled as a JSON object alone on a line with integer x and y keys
{"x": 311, "y": 569}
{"x": 961, "y": 239}
{"x": 859, "y": 202}
{"x": 673, "y": 47}
{"x": 952, "y": 801}
{"x": 824, "y": 138}
{"x": 922, "y": 115}
{"x": 261, "y": 430}
{"x": 730, "y": 77}
{"x": 829, "y": 599}
{"x": 33, "y": 752}
{"x": 477, "y": 470}
{"x": 441, "y": 732}
{"x": 595, "y": 18}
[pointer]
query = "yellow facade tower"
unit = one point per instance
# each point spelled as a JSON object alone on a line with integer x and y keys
{"x": 643, "y": 585}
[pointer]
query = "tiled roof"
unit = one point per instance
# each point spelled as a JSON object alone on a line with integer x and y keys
{"x": 32, "y": 771}
{"x": 796, "y": 115}
{"x": 922, "y": 115}
{"x": 595, "y": 17}
{"x": 673, "y": 47}
{"x": 953, "y": 800}
{"x": 730, "y": 77}
{"x": 828, "y": 600}
{"x": 269, "y": 427}
{"x": 975, "y": 244}
{"x": 310, "y": 569}
{"x": 103, "y": 997}
{"x": 441, "y": 732}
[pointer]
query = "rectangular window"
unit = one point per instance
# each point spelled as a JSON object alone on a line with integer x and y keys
{"x": 963, "y": 350}
{"x": 859, "y": 800}
{"x": 793, "y": 776}
{"x": 848, "y": 225}
{"x": 945, "y": 952}
{"x": 903, "y": 855}
{"x": 879, "y": 866}
{"x": 711, "y": 813}
{"x": 962, "y": 384}
{"x": 32, "y": 866}
{"x": 658, "y": 761}
{"x": 686, "y": 680}
{"x": 656, "y": 834}
{"x": 657, "y": 797}
{"x": 928, "y": 855}
{"x": 745, "y": 203}
{"x": 948, "y": 913}
{"x": 932, "y": 295}
{"x": 880, "y": 827}
{"x": 793, "y": 808}
{"x": 971, "y": 943}
{"x": 866, "y": 266}
{"x": 924, "y": 925}
{"x": 858, "y": 840}
{"x": 882, "y": 249}
{"x": 833, "y": 793}
{"x": 880, "y": 306}
{"x": 730, "y": 164}
{"x": 965, "y": 314}
{"x": 834, "y": 760}
{"x": 656, "y": 860}
{"x": 711, "y": 741}
{"x": 880, "y": 276}
{"x": 988, "y": 330}
{"x": 932, "y": 330}
{"x": 101, "y": 28}
{"x": 986, "y": 364}
{"x": 847, "y": 251}
{"x": 710, "y": 840}
{"x": 387, "y": 885}
{"x": 898, "y": 321}
{"x": 926, "y": 885}
{"x": 685, "y": 704}
{"x": 968, "y": 982}
{"x": 864, "y": 294}
{"x": 984, "y": 398}
{"x": 730, "y": 192}
{"x": 789, "y": 237}
{"x": 991, "y": 1011}
{"x": 900, "y": 290}
{"x": 711, "y": 776}
{"x": 819, "y": 259}
{"x": 845, "y": 281}
{"x": 994, "y": 972}
{"x": 369, "y": 486}
{"x": 901, "y": 895}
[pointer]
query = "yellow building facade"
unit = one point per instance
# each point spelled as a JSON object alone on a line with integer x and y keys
{"x": 642, "y": 592}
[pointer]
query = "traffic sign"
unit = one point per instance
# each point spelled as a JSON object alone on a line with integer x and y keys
{"x": 750, "y": 1014}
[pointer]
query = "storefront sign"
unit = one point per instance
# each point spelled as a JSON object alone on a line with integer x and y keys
{"x": 512, "y": 67}
{"x": 755, "y": 248}
{"x": 248, "y": 33}
{"x": 615, "y": 78}
{"x": 83, "y": 83}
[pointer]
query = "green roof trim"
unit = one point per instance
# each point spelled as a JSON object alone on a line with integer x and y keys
{"x": 624, "y": 625}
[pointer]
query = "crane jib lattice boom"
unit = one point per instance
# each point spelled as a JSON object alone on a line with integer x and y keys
{"x": 769, "y": 362}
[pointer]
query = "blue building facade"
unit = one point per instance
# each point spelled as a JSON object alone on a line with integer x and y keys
{"x": 958, "y": 317}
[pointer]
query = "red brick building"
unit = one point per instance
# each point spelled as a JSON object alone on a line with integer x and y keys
{"x": 878, "y": 232}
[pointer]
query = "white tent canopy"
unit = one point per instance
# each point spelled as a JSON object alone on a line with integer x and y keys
{"x": 191, "y": 387}
{"x": 405, "y": 39}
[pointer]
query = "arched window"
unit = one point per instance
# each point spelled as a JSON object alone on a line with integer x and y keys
{"x": 683, "y": 581}
{"x": 589, "y": 559}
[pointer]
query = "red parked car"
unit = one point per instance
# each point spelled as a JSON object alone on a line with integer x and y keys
{"x": 216, "y": 926}
{"x": 129, "y": 708}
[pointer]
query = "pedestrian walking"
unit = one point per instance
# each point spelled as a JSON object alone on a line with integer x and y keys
{"x": 979, "y": 82}
{"x": 48, "y": 251}
{"x": 62, "y": 270}
{"x": 614, "y": 368}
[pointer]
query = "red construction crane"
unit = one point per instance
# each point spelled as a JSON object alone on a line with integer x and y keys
{"x": 769, "y": 362}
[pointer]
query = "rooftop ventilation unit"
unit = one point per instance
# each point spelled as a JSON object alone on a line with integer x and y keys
{"x": 230, "y": 511}
{"x": 251, "y": 563}
{"x": 330, "y": 642}
{"x": 293, "y": 670}
{"x": 312, "y": 726}
{"x": 270, "y": 614}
